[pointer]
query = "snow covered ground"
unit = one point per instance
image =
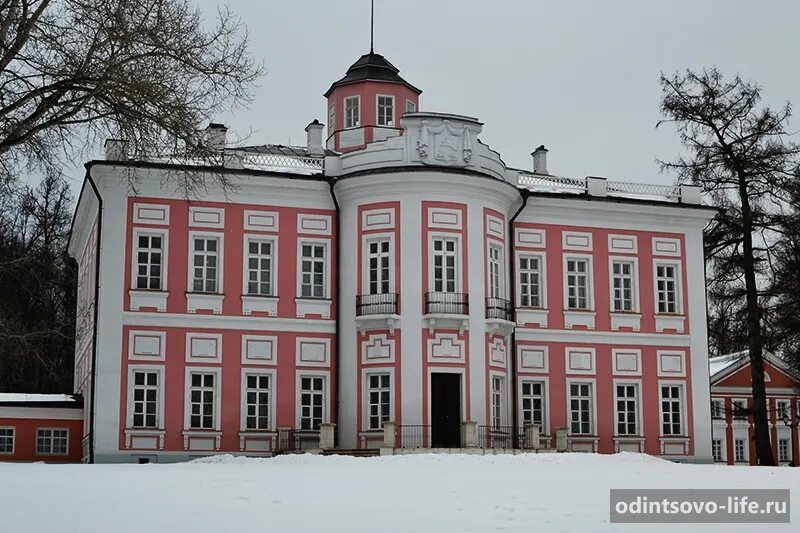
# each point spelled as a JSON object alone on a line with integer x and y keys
{"x": 409, "y": 494}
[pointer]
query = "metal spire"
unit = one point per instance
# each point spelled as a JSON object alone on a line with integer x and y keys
{"x": 372, "y": 27}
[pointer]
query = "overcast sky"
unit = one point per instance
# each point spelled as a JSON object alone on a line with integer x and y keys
{"x": 579, "y": 77}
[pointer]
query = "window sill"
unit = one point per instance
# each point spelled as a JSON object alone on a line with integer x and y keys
{"x": 141, "y": 298}
{"x": 579, "y": 317}
{"x": 204, "y": 301}
{"x": 626, "y": 319}
{"x": 672, "y": 322}
{"x": 313, "y": 306}
{"x": 532, "y": 315}
{"x": 144, "y": 438}
{"x": 260, "y": 304}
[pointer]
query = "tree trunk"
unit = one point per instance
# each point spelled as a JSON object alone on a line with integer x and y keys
{"x": 756, "y": 348}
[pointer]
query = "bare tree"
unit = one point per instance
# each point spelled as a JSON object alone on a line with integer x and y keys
{"x": 152, "y": 72}
{"x": 742, "y": 156}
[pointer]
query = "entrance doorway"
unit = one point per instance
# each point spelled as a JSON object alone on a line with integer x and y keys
{"x": 445, "y": 410}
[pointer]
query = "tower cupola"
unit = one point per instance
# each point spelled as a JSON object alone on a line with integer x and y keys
{"x": 366, "y": 104}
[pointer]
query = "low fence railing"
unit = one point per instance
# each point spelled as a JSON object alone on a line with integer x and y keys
{"x": 447, "y": 303}
{"x": 502, "y": 437}
{"x": 295, "y": 440}
{"x": 413, "y": 436}
{"x": 376, "y": 304}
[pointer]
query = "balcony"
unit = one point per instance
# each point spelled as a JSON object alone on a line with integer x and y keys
{"x": 376, "y": 304}
{"x": 498, "y": 309}
{"x": 447, "y": 310}
{"x": 377, "y": 311}
{"x": 446, "y": 303}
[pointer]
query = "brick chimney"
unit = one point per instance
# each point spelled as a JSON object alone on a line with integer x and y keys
{"x": 540, "y": 160}
{"x": 314, "y": 138}
{"x": 215, "y": 136}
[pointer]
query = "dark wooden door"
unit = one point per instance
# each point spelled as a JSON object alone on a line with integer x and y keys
{"x": 445, "y": 410}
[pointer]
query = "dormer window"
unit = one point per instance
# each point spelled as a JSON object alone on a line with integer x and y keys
{"x": 352, "y": 116}
{"x": 385, "y": 110}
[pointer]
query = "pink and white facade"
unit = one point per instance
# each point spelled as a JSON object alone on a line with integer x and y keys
{"x": 403, "y": 274}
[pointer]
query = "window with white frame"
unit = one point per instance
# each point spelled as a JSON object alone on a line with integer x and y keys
{"x": 145, "y": 399}
{"x": 495, "y": 280}
{"x": 497, "y": 401}
{"x": 671, "y": 410}
{"x": 259, "y": 267}
{"x": 351, "y": 112}
{"x": 627, "y": 409}
{"x": 738, "y": 450}
{"x": 716, "y": 449}
{"x": 52, "y": 441}
{"x": 385, "y": 110}
{"x": 739, "y": 409}
{"x": 411, "y": 107}
{"x": 533, "y": 404}
{"x": 717, "y": 409}
{"x": 580, "y": 408}
{"x": 578, "y": 281}
{"x": 6, "y": 440}
{"x": 622, "y": 286}
{"x": 378, "y": 261}
{"x": 782, "y": 410}
{"x": 205, "y": 264}
{"x": 667, "y": 288}
{"x": 530, "y": 281}
{"x": 445, "y": 255}
{"x": 331, "y": 119}
{"x": 149, "y": 261}
{"x": 379, "y": 390}
{"x": 202, "y": 400}
{"x": 783, "y": 450}
{"x": 312, "y": 270}
{"x": 312, "y": 402}
{"x": 257, "y": 401}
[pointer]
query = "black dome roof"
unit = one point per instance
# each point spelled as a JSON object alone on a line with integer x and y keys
{"x": 372, "y": 67}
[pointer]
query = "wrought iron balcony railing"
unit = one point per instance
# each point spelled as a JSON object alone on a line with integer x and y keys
{"x": 498, "y": 308}
{"x": 502, "y": 437}
{"x": 446, "y": 303}
{"x": 376, "y": 304}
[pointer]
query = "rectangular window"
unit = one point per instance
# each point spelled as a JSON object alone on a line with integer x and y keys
{"x": 530, "y": 281}
{"x": 203, "y": 400}
{"x": 386, "y": 111}
{"x": 580, "y": 407}
{"x": 351, "y": 112}
{"x": 378, "y": 260}
{"x": 716, "y": 449}
{"x": 52, "y": 441}
{"x": 671, "y": 410}
{"x": 379, "y": 392}
{"x": 257, "y": 398}
{"x": 259, "y": 268}
{"x": 717, "y": 410}
{"x": 782, "y": 410}
{"x": 149, "y": 261}
{"x": 533, "y": 404}
{"x": 497, "y": 401}
{"x": 444, "y": 264}
{"x": 205, "y": 264}
{"x": 622, "y": 285}
{"x": 783, "y": 450}
{"x": 738, "y": 450}
{"x": 627, "y": 410}
{"x": 6, "y": 440}
{"x": 739, "y": 410}
{"x": 312, "y": 402}
{"x": 578, "y": 284}
{"x": 411, "y": 107}
{"x": 145, "y": 399}
{"x": 331, "y": 119}
{"x": 495, "y": 284}
{"x": 667, "y": 288}
{"x": 312, "y": 270}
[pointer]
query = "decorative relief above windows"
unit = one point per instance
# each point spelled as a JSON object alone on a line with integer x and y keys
{"x": 312, "y": 351}
{"x": 151, "y": 214}
{"x": 622, "y": 244}
{"x": 533, "y": 358}
{"x": 497, "y": 350}
{"x": 203, "y": 347}
{"x": 671, "y": 363}
{"x": 666, "y": 247}
{"x": 259, "y": 349}
{"x": 206, "y": 217}
{"x": 580, "y": 360}
{"x": 378, "y": 219}
{"x": 573, "y": 240}
{"x": 446, "y": 348}
{"x": 530, "y": 238}
{"x": 314, "y": 224}
{"x": 261, "y": 220}
{"x": 377, "y": 349}
{"x": 443, "y": 218}
{"x": 146, "y": 345}
{"x": 627, "y": 362}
